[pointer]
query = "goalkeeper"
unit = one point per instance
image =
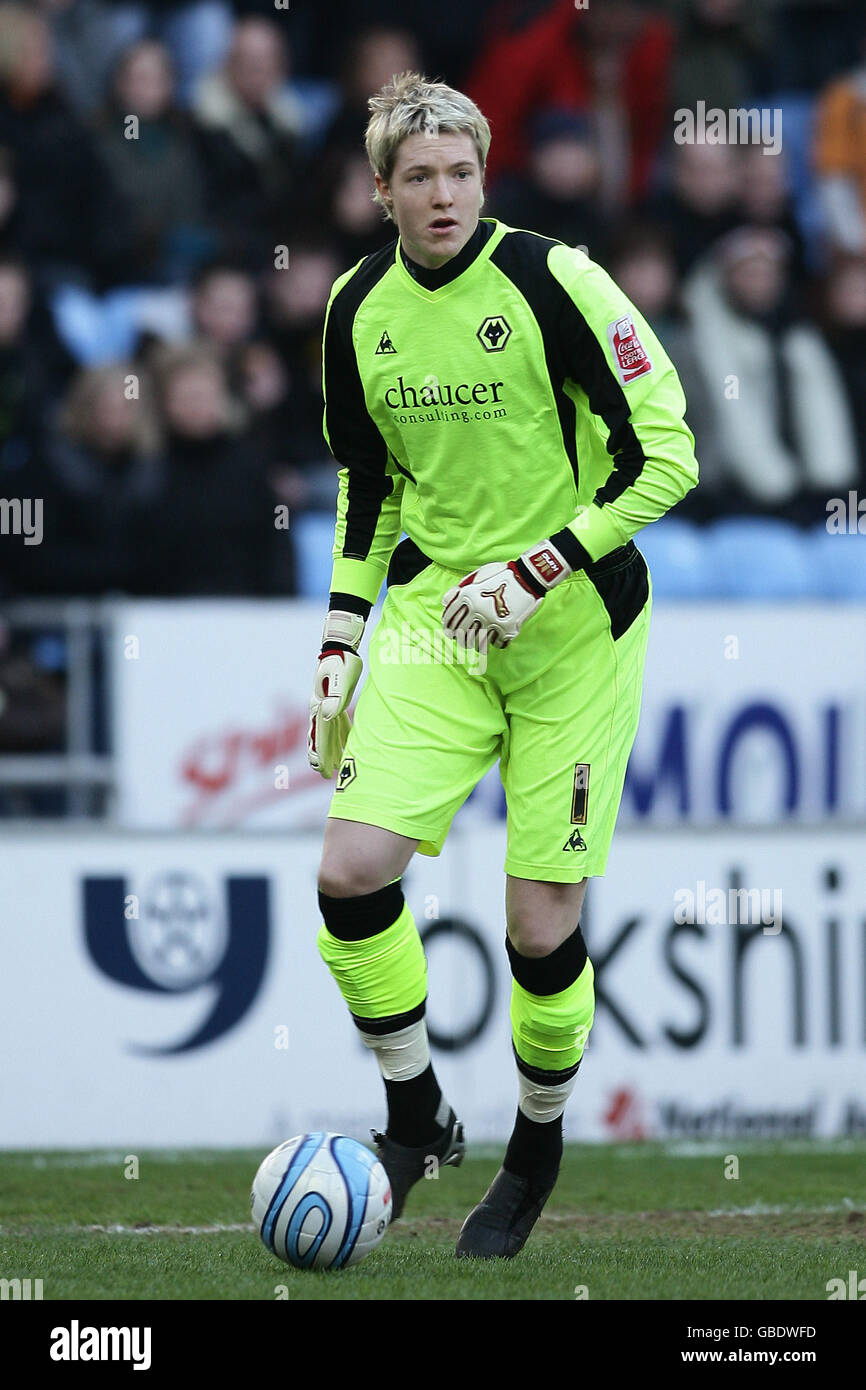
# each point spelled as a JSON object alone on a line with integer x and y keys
{"x": 493, "y": 395}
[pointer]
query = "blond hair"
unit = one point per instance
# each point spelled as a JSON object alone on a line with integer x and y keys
{"x": 76, "y": 415}
{"x": 410, "y": 104}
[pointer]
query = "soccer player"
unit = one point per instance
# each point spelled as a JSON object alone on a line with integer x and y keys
{"x": 493, "y": 395}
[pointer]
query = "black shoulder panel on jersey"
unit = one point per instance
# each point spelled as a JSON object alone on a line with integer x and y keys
{"x": 522, "y": 257}
{"x": 573, "y": 352}
{"x": 355, "y": 440}
{"x": 366, "y": 277}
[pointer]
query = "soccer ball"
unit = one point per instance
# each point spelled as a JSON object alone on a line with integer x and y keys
{"x": 321, "y": 1201}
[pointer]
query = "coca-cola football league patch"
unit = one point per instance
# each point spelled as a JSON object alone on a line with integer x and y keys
{"x": 632, "y": 359}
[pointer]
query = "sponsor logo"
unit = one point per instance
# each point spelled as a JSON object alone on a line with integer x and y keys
{"x": 434, "y": 392}
{"x": 385, "y": 345}
{"x": 548, "y": 566}
{"x": 575, "y": 841}
{"x": 624, "y": 1117}
{"x": 502, "y": 609}
{"x": 630, "y": 356}
{"x": 493, "y": 333}
{"x": 177, "y": 935}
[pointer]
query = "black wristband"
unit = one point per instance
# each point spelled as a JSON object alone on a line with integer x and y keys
{"x": 571, "y": 549}
{"x": 350, "y": 603}
{"x": 332, "y": 646}
{"x": 529, "y": 578}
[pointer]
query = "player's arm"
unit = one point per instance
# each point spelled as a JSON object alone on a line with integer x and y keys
{"x": 611, "y": 355}
{"x": 366, "y": 532}
{"x": 633, "y": 390}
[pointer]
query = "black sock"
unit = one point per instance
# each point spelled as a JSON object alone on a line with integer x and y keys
{"x": 412, "y": 1107}
{"x": 534, "y": 1150}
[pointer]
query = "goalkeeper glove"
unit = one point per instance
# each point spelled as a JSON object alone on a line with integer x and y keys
{"x": 337, "y": 674}
{"x": 490, "y": 606}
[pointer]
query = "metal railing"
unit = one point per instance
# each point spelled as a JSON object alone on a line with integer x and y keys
{"x": 87, "y": 778}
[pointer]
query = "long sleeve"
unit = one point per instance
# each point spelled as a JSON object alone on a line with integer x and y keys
{"x": 633, "y": 391}
{"x": 370, "y": 488}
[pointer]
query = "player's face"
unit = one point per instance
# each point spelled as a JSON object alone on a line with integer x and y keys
{"x": 436, "y": 192}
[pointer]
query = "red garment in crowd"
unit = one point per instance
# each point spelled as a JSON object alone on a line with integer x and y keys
{"x": 546, "y": 64}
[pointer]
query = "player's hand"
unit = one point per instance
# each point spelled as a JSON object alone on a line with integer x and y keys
{"x": 337, "y": 674}
{"x": 490, "y": 606}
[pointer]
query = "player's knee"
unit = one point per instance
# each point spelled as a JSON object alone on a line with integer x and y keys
{"x": 533, "y": 938}
{"x": 339, "y": 878}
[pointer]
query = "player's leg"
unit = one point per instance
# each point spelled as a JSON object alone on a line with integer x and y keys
{"x": 424, "y": 733}
{"x": 370, "y": 943}
{"x": 572, "y": 695}
{"x": 358, "y": 858}
{"x": 552, "y": 1005}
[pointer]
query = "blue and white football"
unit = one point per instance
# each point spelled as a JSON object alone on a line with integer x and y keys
{"x": 321, "y": 1201}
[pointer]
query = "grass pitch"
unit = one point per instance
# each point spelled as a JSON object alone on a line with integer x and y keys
{"x": 638, "y": 1221}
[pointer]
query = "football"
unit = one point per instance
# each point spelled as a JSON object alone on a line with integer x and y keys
{"x": 321, "y": 1201}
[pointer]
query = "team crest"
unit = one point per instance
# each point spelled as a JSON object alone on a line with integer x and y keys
{"x": 346, "y": 775}
{"x": 493, "y": 333}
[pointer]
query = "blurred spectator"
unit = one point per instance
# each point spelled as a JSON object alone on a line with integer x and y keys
{"x": 34, "y": 365}
{"x": 765, "y": 200}
{"x": 343, "y": 203}
{"x": 703, "y": 202}
{"x": 810, "y": 40}
{"x": 197, "y": 32}
{"x": 98, "y": 469}
{"x": 224, "y": 312}
{"x": 611, "y": 60}
{"x": 156, "y": 165}
{"x": 211, "y": 528}
{"x": 69, "y": 214}
{"x": 251, "y": 124}
{"x": 840, "y": 158}
{"x": 449, "y": 33}
{"x": 10, "y": 238}
{"x": 87, "y": 42}
{"x": 844, "y": 314}
{"x": 371, "y": 58}
{"x": 785, "y": 431}
{"x": 720, "y": 55}
{"x": 300, "y": 474}
{"x": 299, "y": 468}
{"x": 295, "y": 303}
{"x": 558, "y": 196}
{"x": 642, "y": 264}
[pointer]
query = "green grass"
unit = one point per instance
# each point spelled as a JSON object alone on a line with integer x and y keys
{"x": 643, "y": 1221}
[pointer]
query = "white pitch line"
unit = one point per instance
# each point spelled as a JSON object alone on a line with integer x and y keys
{"x": 116, "y": 1230}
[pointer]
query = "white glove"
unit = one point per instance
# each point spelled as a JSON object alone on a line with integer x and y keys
{"x": 337, "y": 674}
{"x": 490, "y": 606}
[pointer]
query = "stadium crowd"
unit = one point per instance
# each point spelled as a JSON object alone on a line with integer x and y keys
{"x": 180, "y": 184}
